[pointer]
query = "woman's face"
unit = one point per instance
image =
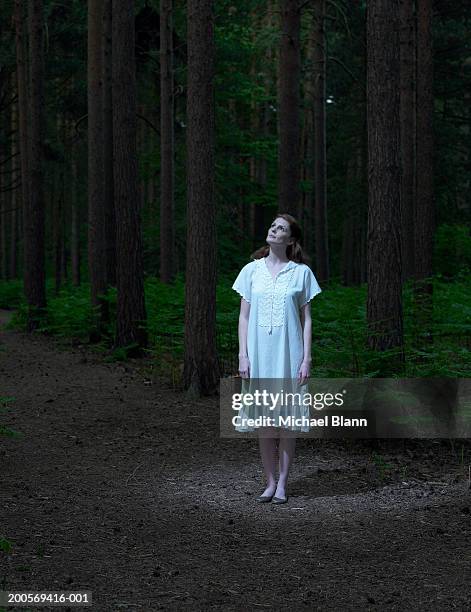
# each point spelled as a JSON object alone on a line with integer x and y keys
{"x": 279, "y": 232}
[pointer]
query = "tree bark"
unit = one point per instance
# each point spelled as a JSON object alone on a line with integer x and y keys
{"x": 289, "y": 102}
{"x": 307, "y": 146}
{"x": 407, "y": 43}
{"x": 5, "y": 191}
{"x": 110, "y": 218}
{"x": 131, "y": 310}
{"x": 15, "y": 199}
{"x": 141, "y": 147}
{"x": 3, "y": 228}
{"x": 320, "y": 154}
{"x": 269, "y": 84}
{"x": 167, "y": 213}
{"x": 56, "y": 207}
{"x": 254, "y": 125}
{"x": 23, "y": 122}
{"x": 4, "y": 197}
{"x": 96, "y": 164}
{"x": 425, "y": 218}
{"x": 34, "y": 226}
{"x": 74, "y": 210}
{"x": 201, "y": 366}
{"x": 425, "y": 209}
{"x": 384, "y": 302}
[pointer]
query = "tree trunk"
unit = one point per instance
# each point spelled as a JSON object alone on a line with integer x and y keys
{"x": 425, "y": 209}
{"x": 15, "y": 198}
{"x": 384, "y": 302}
{"x": 65, "y": 200}
{"x": 110, "y": 219}
{"x": 3, "y": 218}
{"x": 407, "y": 135}
{"x": 254, "y": 126}
{"x": 4, "y": 204}
{"x": 201, "y": 367}
{"x": 131, "y": 310}
{"x": 96, "y": 163}
{"x": 167, "y": 221}
{"x": 152, "y": 181}
{"x": 5, "y": 192}
{"x": 140, "y": 137}
{"x": 34, "y": 226}
{"x": 320, "y": 155}
{"x": 289, "y": 102}
{"x": 56, "y": 207}
{"x": 74, "y": 210}
{"x": 270, "y": 85}
{"x": 23, "y": 123}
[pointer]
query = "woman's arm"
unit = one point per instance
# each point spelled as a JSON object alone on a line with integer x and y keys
{"x": 243, "y": 326}
{"x": 306, "y": 323}
{"x": 244, "y": 365}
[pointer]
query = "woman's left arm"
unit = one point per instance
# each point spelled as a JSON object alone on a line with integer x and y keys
{"x": 306, "y": 324}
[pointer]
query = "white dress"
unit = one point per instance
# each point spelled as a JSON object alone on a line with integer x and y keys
{"x": 274, "y": 336}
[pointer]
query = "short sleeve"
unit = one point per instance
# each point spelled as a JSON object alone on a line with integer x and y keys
{"x": 310, "y": 287}
{"x": 243, "y": 283}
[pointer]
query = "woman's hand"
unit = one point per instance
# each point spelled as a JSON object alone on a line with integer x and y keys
{"x": 303, "y": 374}
{"x": 244, "y": 367}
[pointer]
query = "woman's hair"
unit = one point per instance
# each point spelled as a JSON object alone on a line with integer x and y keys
{"x": 293, "y": 251}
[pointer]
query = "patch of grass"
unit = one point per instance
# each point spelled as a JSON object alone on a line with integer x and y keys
{"x": 122, "y": 353}
{"x": 5, "y": 545}
{"x": 382, "y": 465}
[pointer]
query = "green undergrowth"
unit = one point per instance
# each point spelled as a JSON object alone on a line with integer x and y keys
{"x": 339, "y": 337}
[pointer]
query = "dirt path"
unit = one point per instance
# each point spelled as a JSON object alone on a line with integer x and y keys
{"x": 119, "y": 487}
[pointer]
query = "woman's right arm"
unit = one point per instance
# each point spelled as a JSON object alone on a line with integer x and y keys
{"x": 244, "y": 364}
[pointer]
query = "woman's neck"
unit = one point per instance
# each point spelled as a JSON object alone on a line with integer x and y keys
{"x": 277, "y": 255}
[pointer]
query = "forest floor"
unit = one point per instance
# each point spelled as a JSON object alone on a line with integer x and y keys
{"x": 119, "y": 486}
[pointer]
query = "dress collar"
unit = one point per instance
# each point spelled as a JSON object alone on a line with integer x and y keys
{"x": 288, "y": 266}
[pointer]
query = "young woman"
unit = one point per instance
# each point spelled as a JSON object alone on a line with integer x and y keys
{"x": 275, "y": 339}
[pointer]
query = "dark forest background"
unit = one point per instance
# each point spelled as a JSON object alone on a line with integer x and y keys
{"x": 146, "y": 146}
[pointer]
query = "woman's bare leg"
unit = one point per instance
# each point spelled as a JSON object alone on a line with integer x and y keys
{"x": 286, "y": 452}
{"x": 268, "y": 452}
